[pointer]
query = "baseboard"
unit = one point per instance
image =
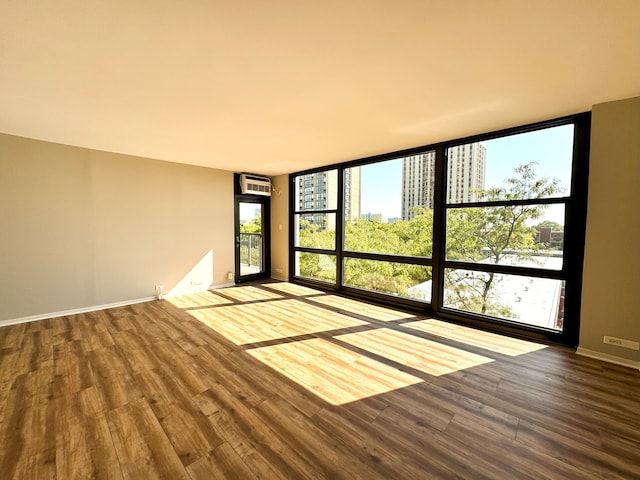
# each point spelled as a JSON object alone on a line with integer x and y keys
{"x": 279, "y": 277}
{"x": 608, "y": 358}
{"x": 75, "y": 311}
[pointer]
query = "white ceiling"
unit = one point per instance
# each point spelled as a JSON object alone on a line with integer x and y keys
{"x": 283, "y": 85}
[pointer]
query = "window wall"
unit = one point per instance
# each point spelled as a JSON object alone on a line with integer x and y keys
{"x": 488, "y": 229}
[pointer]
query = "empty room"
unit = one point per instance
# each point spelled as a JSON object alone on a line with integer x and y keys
{"x": 319, "y": 240}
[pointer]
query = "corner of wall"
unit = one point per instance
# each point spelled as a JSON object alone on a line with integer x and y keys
{"x": 611, "y": 262}
{"x": 280, "y": 228}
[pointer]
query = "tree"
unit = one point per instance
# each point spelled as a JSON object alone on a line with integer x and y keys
{"x": 314, "y": 265}
{"x": 549, "y": 224}
{"x": 413, "y": 238}
{"x": 252, "y": 226}
{"x": 410, "y": 238}
{"x": 251, "y": 243}
{"x": 496, "y": 235}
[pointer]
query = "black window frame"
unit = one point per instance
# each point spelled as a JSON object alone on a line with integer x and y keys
{"x": 575, "y": 226}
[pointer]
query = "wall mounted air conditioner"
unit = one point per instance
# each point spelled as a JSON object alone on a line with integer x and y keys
{"x": 255, "y": 185}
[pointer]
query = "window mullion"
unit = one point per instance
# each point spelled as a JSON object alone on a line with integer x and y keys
{"x": 340, "y": 228}
{"x": 439, "y": 200}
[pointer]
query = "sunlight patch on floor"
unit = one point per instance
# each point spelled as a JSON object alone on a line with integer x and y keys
{"x": 425, "y": 355}
{"x": 292, "y": 289}
{"x": 260, "y": 322}
{"x": 333, "y": 373}
{"x": 372, "y": 311}
{"x": 197, "y": 300}
{"x": 478, "y": 338}
{"x": 249, "y": 293}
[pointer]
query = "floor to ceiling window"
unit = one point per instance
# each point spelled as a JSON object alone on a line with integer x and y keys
{"x": 488, "y": 229}
{"x": 387, "y": 246}
{"x": 314, "y": 225}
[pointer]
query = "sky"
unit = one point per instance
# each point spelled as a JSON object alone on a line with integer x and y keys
{"x": 248, "y": 211}
{"x": 381, "y": 188}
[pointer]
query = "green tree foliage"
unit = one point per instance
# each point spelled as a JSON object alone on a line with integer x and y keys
{"x": 412, "y": 238}
{"x": 495, "y": 235}
{"x": 319, "y": 266}
{"x": 314, "y": 235}
{"x": 407, "y": 238}
{"x": 252, "y": 226}
{"x": 250, "y": 248}
{"x": 548, "y": 223}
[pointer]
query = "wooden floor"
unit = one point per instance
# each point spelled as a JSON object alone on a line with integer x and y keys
{"x": 277, "y": 381}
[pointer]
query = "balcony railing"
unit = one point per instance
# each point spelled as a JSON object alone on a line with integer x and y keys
{"x": 250, "y": 252}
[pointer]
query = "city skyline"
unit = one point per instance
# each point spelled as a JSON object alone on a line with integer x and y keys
{"x": 319, "y": 191}
{"x": 381, "y": 183}
{"x": 465, "y": 177}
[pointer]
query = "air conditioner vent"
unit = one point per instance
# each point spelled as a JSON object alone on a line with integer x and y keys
{"x": 255, "y": 185}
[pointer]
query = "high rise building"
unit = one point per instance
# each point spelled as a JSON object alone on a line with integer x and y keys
{"x": 418, "y": 179}
{"x": 352, "y": 193}
{"x": 465, "y": 177}
{"x": 319, "y": 191}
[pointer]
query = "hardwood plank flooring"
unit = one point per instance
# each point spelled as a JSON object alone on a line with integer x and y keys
{"x": 278, "y": 381}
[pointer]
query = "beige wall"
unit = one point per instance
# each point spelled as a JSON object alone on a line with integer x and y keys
{"x": 280, "y": 228}
{"x": 81, "y": 228}
{"x": 611, "y": 280}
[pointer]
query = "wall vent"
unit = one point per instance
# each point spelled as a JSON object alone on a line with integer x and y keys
{"x": 255, "y": 185}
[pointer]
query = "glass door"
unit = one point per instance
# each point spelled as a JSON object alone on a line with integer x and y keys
{"x": 251, "y": 240}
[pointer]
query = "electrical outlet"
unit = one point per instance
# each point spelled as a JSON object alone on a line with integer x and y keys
{"x": 230, "y": 276}
{"x": 278, "y": 270}
{"x": 159, "y": 293}
{"x": 621, "y": 342}
{"x": 195, "y": 283}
